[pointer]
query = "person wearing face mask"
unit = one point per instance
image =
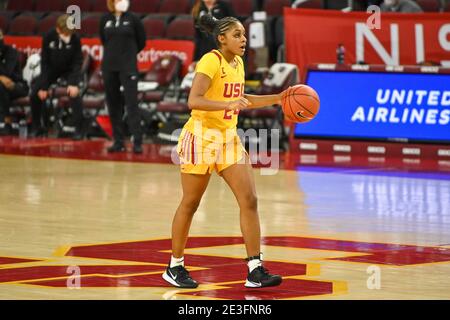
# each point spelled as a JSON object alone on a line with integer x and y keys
{"x": 404, "y": 6}
{"x": 123, "y": 37}
{"x": 61, "y": 57}
{"x": 205, "y": 42}
{"x": 12, "y": 85}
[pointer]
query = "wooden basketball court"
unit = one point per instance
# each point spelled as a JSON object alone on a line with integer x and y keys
{"x": 93, "y": 228}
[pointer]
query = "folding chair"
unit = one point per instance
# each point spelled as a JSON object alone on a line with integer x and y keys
{"x": 174, "y": 114}
{"x": 279, "y": 78}
{"x": 93, "y": 104}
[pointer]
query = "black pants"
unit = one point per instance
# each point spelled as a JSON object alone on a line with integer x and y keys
{"x": 116, "y": 101}
{"x": 38, "y": 108}
{"x": 7, "y": 96}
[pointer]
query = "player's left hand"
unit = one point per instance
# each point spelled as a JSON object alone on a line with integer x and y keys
{"x": 73, "y": 91}
{"x": 240, "y": 104}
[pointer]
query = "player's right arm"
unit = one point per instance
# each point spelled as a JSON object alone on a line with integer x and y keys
{"x": 197, "y": 99}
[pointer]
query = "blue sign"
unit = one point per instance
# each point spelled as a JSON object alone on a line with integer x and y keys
{"x": 374, "y": 105}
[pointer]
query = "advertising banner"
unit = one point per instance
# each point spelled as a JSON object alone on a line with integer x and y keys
{"x": 312, "y": 36}
{"x": 377, "y": 105}
{"x": 153, "y": 50}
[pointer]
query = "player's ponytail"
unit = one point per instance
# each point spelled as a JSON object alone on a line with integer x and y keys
{"x": 216, "y": 27}
{"x": 208, "y": 23}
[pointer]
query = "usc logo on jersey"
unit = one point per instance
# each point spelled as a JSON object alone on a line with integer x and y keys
{"x": 233, "y": 90}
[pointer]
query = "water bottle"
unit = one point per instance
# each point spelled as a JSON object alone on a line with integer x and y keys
{"x": 23, "y": 129}
{"x": 340, "y": 54}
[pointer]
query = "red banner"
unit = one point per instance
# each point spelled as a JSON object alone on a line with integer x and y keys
{"x": 312, "y": 36}
{"x": 153, "y": 50}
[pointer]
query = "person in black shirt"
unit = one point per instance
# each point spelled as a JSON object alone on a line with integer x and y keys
{"x": 61, "y": 58}
{"x": 12, "y": 85}
{"x": 123, "y": 36}
{"x": 404, "y": 6}
{"x": 204, "y": 42}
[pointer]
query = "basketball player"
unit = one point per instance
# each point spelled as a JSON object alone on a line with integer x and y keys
{"x": 209, "y": 142}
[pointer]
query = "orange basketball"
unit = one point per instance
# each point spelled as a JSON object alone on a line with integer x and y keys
{"x": 301, "y": 103}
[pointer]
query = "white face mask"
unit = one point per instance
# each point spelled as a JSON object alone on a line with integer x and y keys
{"x": 122, "y": 6}
{"x": 64, "y": 38}
{"x": 389, "y": 3}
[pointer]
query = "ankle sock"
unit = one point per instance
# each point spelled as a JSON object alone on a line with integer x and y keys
{"x": 254, "y": 262}
{"x": 175, "y": 262}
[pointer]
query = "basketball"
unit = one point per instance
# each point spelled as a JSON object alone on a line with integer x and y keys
{"x": 301, "y": 103}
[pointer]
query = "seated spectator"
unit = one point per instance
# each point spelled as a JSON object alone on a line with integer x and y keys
{"x": 404, "y": 6}
{"x": 12, "y": 85}
{"x": 61, "y": 58}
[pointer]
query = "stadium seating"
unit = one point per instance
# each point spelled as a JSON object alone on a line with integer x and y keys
{"x": 94, "y": 97}
{"x": 90, "y": 25}
{"x": 181, "y": 28}
{"x": 154, "y": 28}
{"x": 242, "y": 8}
{"x": 278, "y": 79}
{"x": 22, "y": 5}
{"x": 311, "y": 4}
{"x": 85, "y": 5}
{"x": 4, "y": 23}
{"x": 275, "y": 7}
{"x": 165, "y": 72}
{"x": 23, "y": 25}
{"x": 429, "y": 5}
{"x": 165, "y": 17}
{"x": 50, "y": 6}
{"x": 100, "y": 6}
{"x": 175, "y": 7}
{"x": 93, "y": 104}
{"x": 144, "y": 6}
{"x": 47, "y": 23}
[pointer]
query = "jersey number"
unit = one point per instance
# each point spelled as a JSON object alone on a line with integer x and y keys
{"x": 229, "y": 114}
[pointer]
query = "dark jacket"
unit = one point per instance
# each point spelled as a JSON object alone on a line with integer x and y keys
{"x": 404, "y": 6}
{"x": 59, "y": 59}
{"x": 9, "y": 63}
{"x": 204, "y": 42}
{"x": 122, "y": 40}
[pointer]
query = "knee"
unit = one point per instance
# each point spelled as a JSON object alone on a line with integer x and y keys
{"x": 249, "y": 202}
{"x": 190, "y": 204}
